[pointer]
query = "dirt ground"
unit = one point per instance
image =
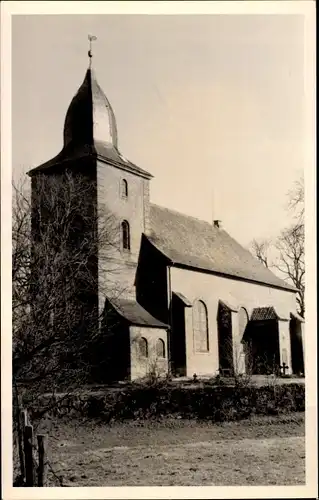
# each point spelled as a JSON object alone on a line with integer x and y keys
{"x": 260, "y": 451}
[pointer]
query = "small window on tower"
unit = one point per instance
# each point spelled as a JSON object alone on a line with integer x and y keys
{"x": 126, "y": 244}
{"x": 124, "y": 188}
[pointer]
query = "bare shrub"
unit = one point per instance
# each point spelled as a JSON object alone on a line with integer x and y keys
{"x": 240, "y": 358}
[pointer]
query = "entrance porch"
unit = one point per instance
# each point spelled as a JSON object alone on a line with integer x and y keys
{"x": 261, "y": 344}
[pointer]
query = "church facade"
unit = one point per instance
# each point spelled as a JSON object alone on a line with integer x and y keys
{"x": 189, "y": 299}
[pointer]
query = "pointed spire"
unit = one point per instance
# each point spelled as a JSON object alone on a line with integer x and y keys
{"x": 90, "y": 127}
{"x": 90, "y": 117}
{"x": 91, "y": 39}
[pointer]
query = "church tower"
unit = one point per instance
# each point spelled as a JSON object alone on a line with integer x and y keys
{"x": 121, "y": 189}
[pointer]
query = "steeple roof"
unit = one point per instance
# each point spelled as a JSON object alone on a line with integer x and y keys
{"x": 90, "y": 130}
{"x": 90, "y": 116}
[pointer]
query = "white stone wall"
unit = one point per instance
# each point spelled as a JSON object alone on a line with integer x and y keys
{"x": 141, "y": 366}
{"x": 210, "y": 288}
{"x": 135, "y": 209}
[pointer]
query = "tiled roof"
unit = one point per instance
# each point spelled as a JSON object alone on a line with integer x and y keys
{"x": 113, "y": 156}
{"x": 135, "y": 314}
{"x": 263, "y": 313}
{"x": 194, "y": 243}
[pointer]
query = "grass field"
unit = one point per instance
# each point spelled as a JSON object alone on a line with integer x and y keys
{"x": 172, "y": 452}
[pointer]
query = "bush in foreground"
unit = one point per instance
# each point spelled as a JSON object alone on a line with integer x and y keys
{"x": 215, "y": 403}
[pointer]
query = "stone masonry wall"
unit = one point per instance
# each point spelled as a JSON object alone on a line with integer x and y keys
{"x": 122, "y": 263}
{"x": 211, "y": 288}
{"x": 140, "y": 365}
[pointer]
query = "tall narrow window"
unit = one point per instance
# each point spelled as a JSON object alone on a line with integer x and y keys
{"x": 242, "y": 321}
{"x": 124, "y": 188}
{"x": 143, "y": 347}
{"x": 200, "y": 327}
{"x": 160, "y": 348}
{"x": 126, "y": 244}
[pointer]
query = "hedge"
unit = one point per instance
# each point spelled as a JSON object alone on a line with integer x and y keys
{"x": 219, "y": 403}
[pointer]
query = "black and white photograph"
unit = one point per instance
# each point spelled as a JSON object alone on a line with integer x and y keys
{"x": 162, "y": 313}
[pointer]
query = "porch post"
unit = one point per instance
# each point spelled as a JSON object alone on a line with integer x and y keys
{"x": 284, "y": 344}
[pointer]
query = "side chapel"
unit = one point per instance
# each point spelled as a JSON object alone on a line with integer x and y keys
{"x": 192, "y": 298}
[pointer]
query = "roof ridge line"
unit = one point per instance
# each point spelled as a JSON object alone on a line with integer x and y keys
{"x": 185, "y": 215}
{"x": 128, "y": 167}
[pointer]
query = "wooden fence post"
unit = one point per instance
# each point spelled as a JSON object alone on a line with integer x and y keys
{"x": 28, "y": 454}
{"x": 20, "y": 437}
{"x": 42, "y": 452}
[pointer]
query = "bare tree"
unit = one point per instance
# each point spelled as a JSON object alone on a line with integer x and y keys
{"x": 291, "y": 245}
{"x": 63, "y": 257}
{"x": 296, "y": 200}
{"x": 260, "y": 249}
{"x": 288, "y": 249}
{"x": 291, "y": 260}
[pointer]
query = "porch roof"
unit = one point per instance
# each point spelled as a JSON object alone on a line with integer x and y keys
{"x": 266, "y": 313}
{"x": 135, "y": 314}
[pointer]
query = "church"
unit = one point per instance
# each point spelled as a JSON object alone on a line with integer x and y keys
{"x": 193, "y": 300}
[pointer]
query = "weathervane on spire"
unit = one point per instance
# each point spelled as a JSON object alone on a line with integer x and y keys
{"x": 91, "y": 38}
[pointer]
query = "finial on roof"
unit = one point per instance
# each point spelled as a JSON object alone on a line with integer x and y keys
{"x": 91, "y": 39}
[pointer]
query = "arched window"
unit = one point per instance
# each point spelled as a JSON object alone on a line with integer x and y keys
{"x": 200, "y": 326}
{"x": 126, "y": 244}
{"x": 242, "y": 321}
{"x": 124, "y": 188}
{"x": 160, "y": 348}
{"x": 143, "y": 347}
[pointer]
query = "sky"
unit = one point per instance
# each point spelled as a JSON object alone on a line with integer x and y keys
{"x": 211, "y": 105}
